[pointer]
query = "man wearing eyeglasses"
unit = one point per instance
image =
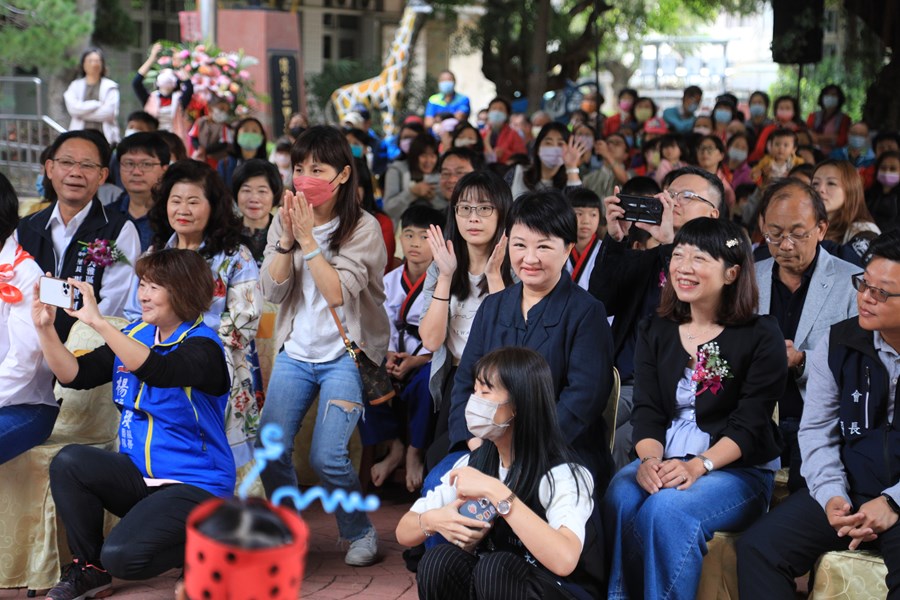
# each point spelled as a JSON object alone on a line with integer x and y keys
{"x": 803, "y": 287}
{"x": 57, "y": 237}
{"x": 143, "y": 158}
{"x": 850, "y": 441}
{"x": 628, "y": 282}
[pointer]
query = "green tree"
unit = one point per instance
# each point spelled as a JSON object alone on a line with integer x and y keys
{"x": 40, "y": 34}
{"x": 513, "y": 34}
{"x": 855, "y": 68}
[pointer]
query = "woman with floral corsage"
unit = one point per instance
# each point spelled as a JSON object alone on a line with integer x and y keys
{"x": 707, "y": 378}
{"x": 194, "y": 210}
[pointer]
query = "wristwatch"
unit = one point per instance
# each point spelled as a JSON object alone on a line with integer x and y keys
{"x": 891, "y": 503}
{"x": 281, "y": 250}
{"x": 505, "y": 505}
{"x": 707, "y": 464}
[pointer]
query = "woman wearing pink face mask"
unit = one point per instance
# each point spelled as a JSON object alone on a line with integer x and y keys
{"x": 787, "y": 115}
{"x": 883, "y": 198}
{"x": 324, "y": 252}
{"x": 623, "y": 116}
{"x": 554, "y": 162}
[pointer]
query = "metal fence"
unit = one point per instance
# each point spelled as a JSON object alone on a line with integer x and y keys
{"x": 24, "y": 131}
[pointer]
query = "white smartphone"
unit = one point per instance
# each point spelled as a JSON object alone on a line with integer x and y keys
{"x": 57, "y": 292}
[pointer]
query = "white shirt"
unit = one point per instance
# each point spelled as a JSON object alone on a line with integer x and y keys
{"x": 116, "y": 282}
{"x": 395, "y": 296}
{"x": 462, "y": 314}
{"x": 25, "y": 376}
{"x": 570, "y": 506}
{"x": 314, "y": 337}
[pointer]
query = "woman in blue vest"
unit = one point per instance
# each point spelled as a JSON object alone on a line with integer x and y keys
{"x": 171, "y": 382}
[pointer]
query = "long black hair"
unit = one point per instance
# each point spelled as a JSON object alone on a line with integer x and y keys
{"x": 223, "y": 230}
{"x": 532, "y": 174}
{"x": 329, "y": 145}
{"x": 474, "y": 186}
{"x": 538, "y": 444}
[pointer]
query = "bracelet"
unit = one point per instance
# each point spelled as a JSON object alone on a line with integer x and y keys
{"x": 643, "y": 460}
{"x": 312, "y": 255}
{"x": 572, "y": 171}
{"x": 281, "y": 250}
{"x": 441, "y": 299}
{"x": 422, "y": 527}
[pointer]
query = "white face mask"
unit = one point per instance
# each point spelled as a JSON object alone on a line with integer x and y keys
{"x": 480, "y": 418}
{"x": 130, "y": 132}
{"x": 551, "y": 156}
{"x": 219, "y": 115}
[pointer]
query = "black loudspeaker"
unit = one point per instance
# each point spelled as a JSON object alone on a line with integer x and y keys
{"x": 797, "y": 31}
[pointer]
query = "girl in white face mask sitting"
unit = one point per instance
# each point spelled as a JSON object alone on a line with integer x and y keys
{"x": 517, "y": 511}
{"x": 555, "y": 158}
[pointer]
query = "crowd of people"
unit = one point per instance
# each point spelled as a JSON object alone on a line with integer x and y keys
{"x": 743, "y": 320}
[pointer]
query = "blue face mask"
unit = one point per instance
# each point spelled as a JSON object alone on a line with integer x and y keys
{"x": 692, "y": 107}
{"x": 357, "y": 151}
{"x": 446, "y": 87}
{"x": 858, "y": 142}
{"x": 39, "y": 185}
{"x": 829, "y": 101}
{"x": 757, "y": 110}
{"x": 723, "y": 115}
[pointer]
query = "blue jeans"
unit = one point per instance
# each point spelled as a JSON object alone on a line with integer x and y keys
{"x": 292, "y": 388}
{"x": 657, "y": 541}
{"x": 24, "y": 426}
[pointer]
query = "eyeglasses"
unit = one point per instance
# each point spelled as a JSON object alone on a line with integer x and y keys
{"x": 144, "y": 165}
{"x": 860, "y": 285}
{"x": 686, "y": 197}
{"x": 792, "y": 238}
{"x": 67, "y": 164}
{"x": 482, "y": 210}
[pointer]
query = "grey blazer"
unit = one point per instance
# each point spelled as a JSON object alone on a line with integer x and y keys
{"x": 830, "y": 299}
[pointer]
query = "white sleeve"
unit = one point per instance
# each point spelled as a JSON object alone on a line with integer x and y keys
{"x": 24, "y": 372}
{"x": 443, "y": 494}
{"x": 118, "y": 278}
{"x": 572, "y": 501}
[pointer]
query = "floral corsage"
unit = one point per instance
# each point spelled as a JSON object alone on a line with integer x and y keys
{"x": 104, "y": 253}
{"x": 711, "y": 369}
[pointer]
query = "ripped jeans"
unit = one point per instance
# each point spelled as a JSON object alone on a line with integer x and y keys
{"x": 293, "y": 386}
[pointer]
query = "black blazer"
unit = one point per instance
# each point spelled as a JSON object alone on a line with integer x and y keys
{"x": 572, "y": 334}
{"x": 621, "y": 280}
{"x": 741, "y": 411}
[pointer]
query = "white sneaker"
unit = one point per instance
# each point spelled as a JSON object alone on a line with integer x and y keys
{"x": 364, "y": 551}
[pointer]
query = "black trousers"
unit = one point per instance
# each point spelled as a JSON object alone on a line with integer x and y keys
{"x": 448, "y": 572}
{"x": 791, "y": 457}
{"x": 785, "y": 544}
{"x": 149, "y": 539}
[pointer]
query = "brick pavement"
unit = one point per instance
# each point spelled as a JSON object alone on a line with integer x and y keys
{"x": 327, "y": 577}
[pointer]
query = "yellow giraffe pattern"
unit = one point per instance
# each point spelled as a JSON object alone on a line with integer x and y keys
{"x": 383, "y": 92}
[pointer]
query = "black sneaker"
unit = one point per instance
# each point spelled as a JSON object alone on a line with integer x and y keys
{"x": 81, "y": 581}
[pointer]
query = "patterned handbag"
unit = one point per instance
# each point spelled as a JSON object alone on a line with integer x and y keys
{"x": 378, "y": 387}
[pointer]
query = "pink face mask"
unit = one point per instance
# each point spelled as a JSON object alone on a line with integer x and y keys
{"x": 317, "y": 191}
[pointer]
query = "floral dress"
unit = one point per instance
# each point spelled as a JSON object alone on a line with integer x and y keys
{"x": 234, "y": 313}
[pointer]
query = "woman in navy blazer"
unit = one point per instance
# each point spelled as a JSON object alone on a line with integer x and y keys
{"x": 547, "y": 312}
{"x": 708, "y": 373}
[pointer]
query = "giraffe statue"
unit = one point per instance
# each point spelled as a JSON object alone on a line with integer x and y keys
{"x": 383, "y": 91}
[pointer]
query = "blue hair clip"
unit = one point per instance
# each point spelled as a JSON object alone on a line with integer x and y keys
{"x": 272, "y": 447}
